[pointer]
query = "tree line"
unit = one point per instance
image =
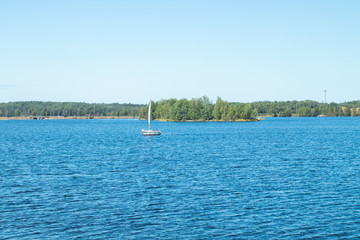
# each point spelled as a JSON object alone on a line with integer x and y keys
{"x": 197, "y": 109}
{"x": 203, "y": 109}
{"x": 36, "y": 108}
{"x": 307, "y": 108}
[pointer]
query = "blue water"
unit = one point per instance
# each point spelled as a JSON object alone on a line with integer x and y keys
{"x": 285, "y": 178}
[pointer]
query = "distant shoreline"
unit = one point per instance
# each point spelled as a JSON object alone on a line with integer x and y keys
{"x": 64, "y": 118}
{"x": 238, "y": 120}
{"x": 115, "y": 117}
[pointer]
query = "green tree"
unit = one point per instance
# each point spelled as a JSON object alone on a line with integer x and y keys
{"x": 179, "y": 111}
{"x": 219, "y": 110}
{"x": 194, "y": 110}
{"x": 206, "y": 109}
{"x": 347, "y": 112}
{"x": 231, "y": 113}
{"x": 247, "y": 114}
{"x": 79, "y": 111}
{"x": 17, "y": 112}
{"x": 286, "y": 113}
{"x": 304, "y": 112}
{"x": 143, "y": 112}
{"x": 314, "y": 112}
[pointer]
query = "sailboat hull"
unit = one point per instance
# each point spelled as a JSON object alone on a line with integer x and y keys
{"x": 150, "y": 132}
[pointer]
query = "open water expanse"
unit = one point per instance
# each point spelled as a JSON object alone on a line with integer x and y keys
{"x": 282, "y": 178}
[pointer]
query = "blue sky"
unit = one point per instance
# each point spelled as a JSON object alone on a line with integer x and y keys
{"x": 134, "y": 51}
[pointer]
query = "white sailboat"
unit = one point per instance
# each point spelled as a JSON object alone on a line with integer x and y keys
{"x": 150, "y": 132}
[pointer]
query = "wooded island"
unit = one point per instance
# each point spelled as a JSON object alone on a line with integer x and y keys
{"x": 196, "y": 109}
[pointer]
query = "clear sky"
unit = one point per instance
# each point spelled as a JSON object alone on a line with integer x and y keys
{"x": 131, "y": 51}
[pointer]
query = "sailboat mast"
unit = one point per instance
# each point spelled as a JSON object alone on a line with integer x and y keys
{"x": 149, "y": 115}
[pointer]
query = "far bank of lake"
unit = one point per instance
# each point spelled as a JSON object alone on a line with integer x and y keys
{"x": 63, "y": 118}
{"x": 116, "y": 117}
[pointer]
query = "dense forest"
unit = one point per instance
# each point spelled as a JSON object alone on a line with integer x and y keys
{"x": 196, "y": 109}
{"x": 16, "y": 109}
{"x": 306, "y": 108}
{"x": 203, "y": 109}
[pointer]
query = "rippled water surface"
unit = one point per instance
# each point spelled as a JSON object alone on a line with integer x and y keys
{"x": 284, "y": 178}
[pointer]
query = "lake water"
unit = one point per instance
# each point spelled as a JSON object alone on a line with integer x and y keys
{"x": 285, "y": 178}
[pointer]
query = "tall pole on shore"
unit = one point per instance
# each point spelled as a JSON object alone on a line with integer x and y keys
{"x": 325, "y": 96}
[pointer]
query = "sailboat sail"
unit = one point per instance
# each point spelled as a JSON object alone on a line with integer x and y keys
{"x": 150, "y": 132}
